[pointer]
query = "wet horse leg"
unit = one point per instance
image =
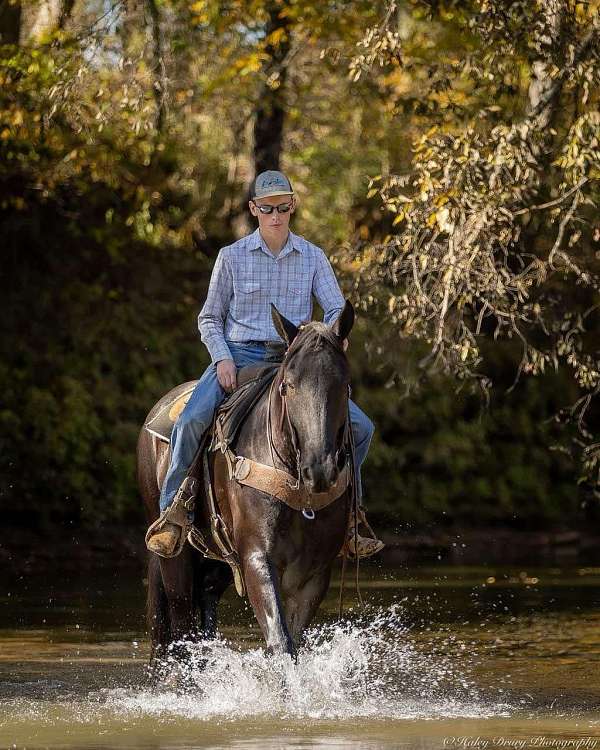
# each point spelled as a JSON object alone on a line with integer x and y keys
{"x": 212, "y": 578}
{"x": 177, "y": 574}
{"x": 262, "y": 585}
{"x": 302, "y": 605}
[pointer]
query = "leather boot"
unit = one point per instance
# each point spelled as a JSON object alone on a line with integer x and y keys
{"x": 356, "y": 544}
{"x": 167, "y": 535}
{"x": 165, "y": 541}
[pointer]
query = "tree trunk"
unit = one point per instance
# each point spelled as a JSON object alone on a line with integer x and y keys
{"x": 41, "y": 17}
{"x": 67, "y": 9}
{"x": 159, "y": 88}
{"x": 543, "y": 89}
{"x": 10, "y": 22}
{"x": 270, "y": 108}
{"x": 132, "y": 28}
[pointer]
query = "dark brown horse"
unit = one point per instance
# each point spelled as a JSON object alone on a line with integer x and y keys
{"x": 286, "y": 558}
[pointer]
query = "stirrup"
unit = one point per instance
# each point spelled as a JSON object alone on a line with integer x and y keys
{"x": 363, "y": 546}
{"x": 178, "y": 514}
{"x": 352, "y": 544}
{"x": 169, "y": 547}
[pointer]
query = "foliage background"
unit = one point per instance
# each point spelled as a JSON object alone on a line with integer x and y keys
{"x": 128, "y": 135}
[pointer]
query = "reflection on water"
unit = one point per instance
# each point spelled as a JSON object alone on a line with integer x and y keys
{"x": 438, "y": 653}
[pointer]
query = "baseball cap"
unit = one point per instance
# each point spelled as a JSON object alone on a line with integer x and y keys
{"x": 270, "y": 183}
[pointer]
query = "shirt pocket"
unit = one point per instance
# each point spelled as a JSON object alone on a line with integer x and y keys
{"x": 247, "y": 300}
{"x": 248, "y": 287}
{"x": 296, "y": 302}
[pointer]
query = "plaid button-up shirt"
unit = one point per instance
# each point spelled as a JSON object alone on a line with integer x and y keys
{"x": 247, "y": 277}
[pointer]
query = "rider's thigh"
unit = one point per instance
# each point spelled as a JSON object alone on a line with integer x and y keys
{"x": 204, "y": 399}
{"x": 362, "y": 427}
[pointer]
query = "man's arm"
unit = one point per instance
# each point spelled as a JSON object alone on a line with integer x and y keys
{"x": 326, "y": 289}
{"x": 211, "y": 320}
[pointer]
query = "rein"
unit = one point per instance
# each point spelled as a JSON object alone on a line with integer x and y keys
{"x": 272, "y": 448}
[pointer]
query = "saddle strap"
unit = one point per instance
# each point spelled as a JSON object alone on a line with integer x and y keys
{"x": 219, "y": 533}
{"x": 280, "y": 484}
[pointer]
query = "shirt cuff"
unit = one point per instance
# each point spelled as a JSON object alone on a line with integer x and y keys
{"x": 331, "y": 315}
{"x": 218, "y": 351}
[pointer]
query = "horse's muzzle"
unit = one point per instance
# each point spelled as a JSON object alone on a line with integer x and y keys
{"x": 320, "y": 473}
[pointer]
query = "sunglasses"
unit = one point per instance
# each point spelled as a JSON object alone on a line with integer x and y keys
{"x": 282, "y": 208}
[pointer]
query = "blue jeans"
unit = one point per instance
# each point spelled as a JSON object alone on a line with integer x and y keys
{"x": 199, "y": 410}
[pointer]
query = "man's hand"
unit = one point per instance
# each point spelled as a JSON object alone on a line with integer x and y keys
{"x": 227, "y": 374}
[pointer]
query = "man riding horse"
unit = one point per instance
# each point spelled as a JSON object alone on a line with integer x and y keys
{"x": 270, "y": 265}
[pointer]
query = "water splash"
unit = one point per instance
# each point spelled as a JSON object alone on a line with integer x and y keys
{"x": 368, "y": 667}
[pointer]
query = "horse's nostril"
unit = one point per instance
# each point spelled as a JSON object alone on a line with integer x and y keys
{"x": 319, "y": 477}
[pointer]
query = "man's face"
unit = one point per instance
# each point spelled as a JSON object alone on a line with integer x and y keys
{"x": 273, "y": 223}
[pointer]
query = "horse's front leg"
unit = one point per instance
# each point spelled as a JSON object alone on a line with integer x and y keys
{"x": 262, "y": 584}
{"x": 302, "y": 604}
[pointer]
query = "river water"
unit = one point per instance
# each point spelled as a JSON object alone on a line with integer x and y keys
{"x": 437, "y": 657}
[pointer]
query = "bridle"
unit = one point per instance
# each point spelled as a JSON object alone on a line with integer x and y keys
{"x": 285, "y": 416}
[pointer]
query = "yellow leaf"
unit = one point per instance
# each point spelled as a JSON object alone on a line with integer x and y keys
{"x": 276, "y": 37}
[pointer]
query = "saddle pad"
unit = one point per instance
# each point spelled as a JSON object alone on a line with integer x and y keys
{"x": 161, "y": 424}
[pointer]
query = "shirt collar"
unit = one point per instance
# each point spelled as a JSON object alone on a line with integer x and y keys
{"x": 256, "y": 242}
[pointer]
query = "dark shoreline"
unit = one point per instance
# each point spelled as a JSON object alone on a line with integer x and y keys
{"x": 29, "y": 552}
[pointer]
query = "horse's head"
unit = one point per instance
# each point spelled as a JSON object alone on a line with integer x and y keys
{"x": 315, "y": 376}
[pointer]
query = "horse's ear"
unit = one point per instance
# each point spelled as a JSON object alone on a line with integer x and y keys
{"x": 284, "y": 327}
{"x": 344, "y": 322}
